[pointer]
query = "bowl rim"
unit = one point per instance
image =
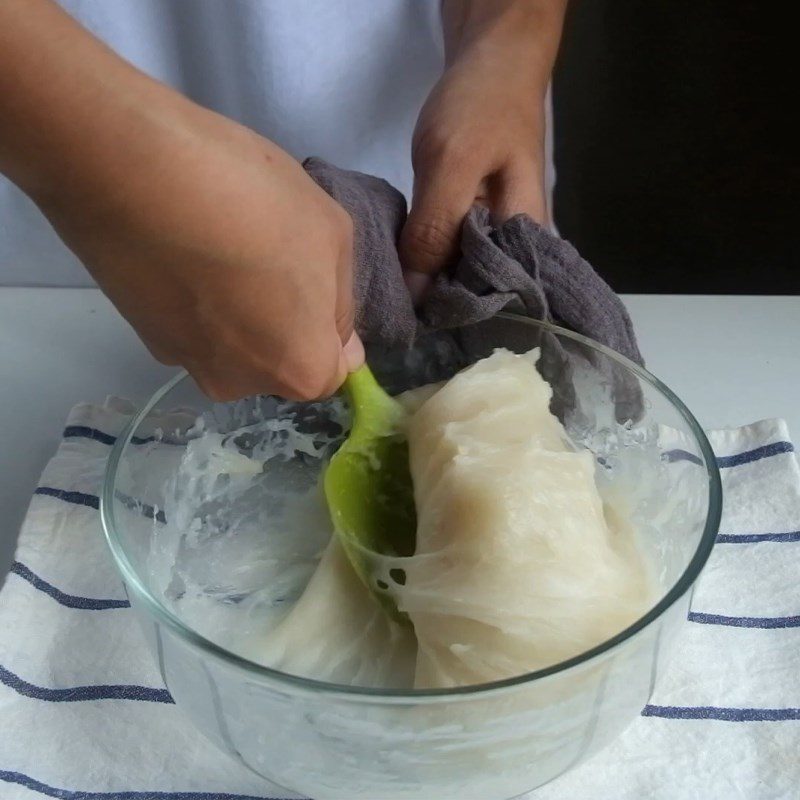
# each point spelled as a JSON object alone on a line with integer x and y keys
{"x": 284, "y": 680}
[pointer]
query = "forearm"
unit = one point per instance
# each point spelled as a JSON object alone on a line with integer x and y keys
{"x": 216, "y": 246}
{"x": 525, "y": 33}
{"x": 70, "y": 107}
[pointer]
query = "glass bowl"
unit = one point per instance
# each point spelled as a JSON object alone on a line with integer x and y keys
{"x": 329, "y": 741}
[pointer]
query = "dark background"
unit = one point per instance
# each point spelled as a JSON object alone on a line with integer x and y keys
{"x": 676, "y": 144}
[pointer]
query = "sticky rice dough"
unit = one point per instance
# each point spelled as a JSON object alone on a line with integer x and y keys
{"x": 516, "y": 567}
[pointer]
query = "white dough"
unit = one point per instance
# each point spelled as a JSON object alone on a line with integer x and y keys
{"x": 338, "y": 632}
{"x": 515, "y": 567}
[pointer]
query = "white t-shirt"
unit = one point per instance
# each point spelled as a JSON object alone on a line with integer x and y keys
{"x": 340, "y": 79}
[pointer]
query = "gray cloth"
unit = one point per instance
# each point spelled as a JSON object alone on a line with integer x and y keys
{"x": 517, "y": 266}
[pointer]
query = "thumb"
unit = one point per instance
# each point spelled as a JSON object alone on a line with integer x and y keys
{"x": 351, "y": 352}
{"x": 429, "y": 240}
{"x": 352, "y": 356}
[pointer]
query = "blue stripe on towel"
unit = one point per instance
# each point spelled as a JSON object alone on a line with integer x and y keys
{"x": 71, "y": 794}
{"x": 76, "y": 498}
{"x": 724, "y": 462}
{"x": 744, "y": 622}
{"x": 75, "y": 694}
{"x": 754, "y": 538}
{"x": 681, "y": 455}
{"x": 68, "y": 600}
{"x": 723, "y": 714}
{"x": 774, "y": 449}
{"x": 93, "y": 501}
{"x": 85, "y": 432}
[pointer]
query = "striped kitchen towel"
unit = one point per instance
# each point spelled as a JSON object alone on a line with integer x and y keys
{"x": 84, "y": 715}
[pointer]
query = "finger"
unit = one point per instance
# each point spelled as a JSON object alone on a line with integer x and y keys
{"x": 429, "y": 240}
{"x": 345, "y": 278}
{"x": 518, "y": 188}
{"x": 315, "y": 368}
{"x": 353, "y": 353}
{"x": 320, "y": 372}
{"x": 328, "y": 374}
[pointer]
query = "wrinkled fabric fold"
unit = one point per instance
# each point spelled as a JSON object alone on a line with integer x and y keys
{"x": 516, "y": 266}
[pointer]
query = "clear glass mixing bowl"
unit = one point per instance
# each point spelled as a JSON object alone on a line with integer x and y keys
{"x": 493, "y": 741}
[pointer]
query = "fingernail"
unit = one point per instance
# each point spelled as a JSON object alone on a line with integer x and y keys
{"x": 353, "y": 352}
{"x": 418, "y": 284}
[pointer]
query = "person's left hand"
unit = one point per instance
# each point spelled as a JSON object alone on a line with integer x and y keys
{"x": 479, "y": 139}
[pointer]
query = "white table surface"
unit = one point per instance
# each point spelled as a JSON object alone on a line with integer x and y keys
{"x": 732, "y": 360}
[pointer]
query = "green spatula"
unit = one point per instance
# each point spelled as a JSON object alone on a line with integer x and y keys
{"x": 368, "y": 484}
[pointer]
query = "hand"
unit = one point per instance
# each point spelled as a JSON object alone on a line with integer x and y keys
{"x": 223, "y": 255}
{"x": 213, "y": 243}
{"x": 479, "y": 139}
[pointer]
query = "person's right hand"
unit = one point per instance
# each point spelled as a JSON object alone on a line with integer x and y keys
{"x": 221, "y": 252}
{"x": 217, "y": 247}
